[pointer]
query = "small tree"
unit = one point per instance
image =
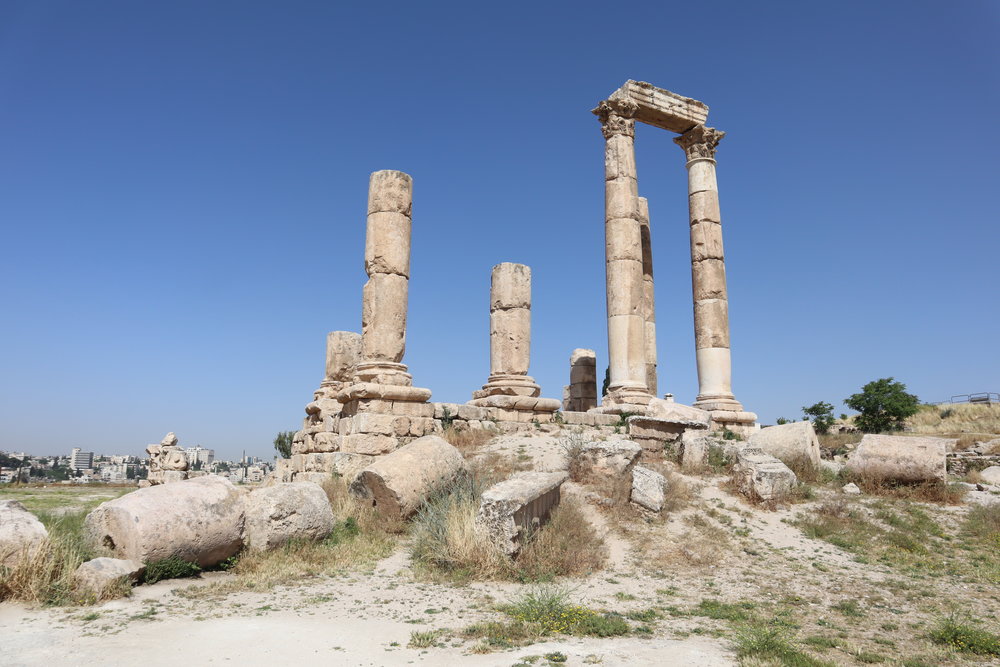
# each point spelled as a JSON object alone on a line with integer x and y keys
{"x": 822, "y": 416}
{"x": 283, "y": 443}
{"x": 883, "y": 405}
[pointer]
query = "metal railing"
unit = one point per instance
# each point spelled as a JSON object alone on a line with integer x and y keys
{"x": 983, "y": 397}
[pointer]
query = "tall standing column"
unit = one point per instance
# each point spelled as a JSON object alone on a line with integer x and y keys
{"x": 385, "y": 295}
{"x": 708, "y": 272}
{"x": 623, "y": 256}
{"x": 510, "y": 333}
{"x": 648, "y": 300}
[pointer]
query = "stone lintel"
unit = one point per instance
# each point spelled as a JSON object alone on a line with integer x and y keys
{"x": 520, "y": 403}
{"x": 662, "y": 108}
{"x": 386, "y": 392}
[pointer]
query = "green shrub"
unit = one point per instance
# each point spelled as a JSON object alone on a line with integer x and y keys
{"x": 173, "y": 567}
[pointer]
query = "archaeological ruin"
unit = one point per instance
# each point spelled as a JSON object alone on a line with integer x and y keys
{"x": 367, "y": 405}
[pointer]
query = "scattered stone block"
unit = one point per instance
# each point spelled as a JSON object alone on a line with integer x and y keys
{"x": 763, "y": 477}
{"x": 515, "y": 506}
{"x": 991, "y": 475}
{"x": 851, "y": 489}
{"x": 900, "y": 458}
{"x": 278, "y": 514}
{"x": 792, "y": 442}
{"x": 648, "y": 488}
{"x": 609, "y": 457}
{"x": 97, "y": 574}
{"x": 397, "y": 484}
{"x": 20, "y": 532}
{"x": 199, "y": 520}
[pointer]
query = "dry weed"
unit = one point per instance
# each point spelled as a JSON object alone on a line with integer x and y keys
{"x": 702, "y": 545}
{"x": 568, "y": 545}
{"x": 928, "y": 492}
{"x": 981, "y": 422}
{"x": 467, "y": 440}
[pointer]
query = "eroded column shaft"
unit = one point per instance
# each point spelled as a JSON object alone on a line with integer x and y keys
{"x": 648, "y": 300}
{"x": 623, "y": 250}
{"x": 708, "y": 271}
{"x": 343, "y": 350}
{"x": 582, "y": 380}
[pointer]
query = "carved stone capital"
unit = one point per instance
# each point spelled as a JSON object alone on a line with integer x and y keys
{"x": 700, "y": 141}
{"x": 617, "y": 116}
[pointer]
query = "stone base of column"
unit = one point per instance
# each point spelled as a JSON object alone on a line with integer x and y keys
{"x": 633, "y": 400}
{"x": 508, "y": 385}
{"x": 383, "y": 372}
{"x": 519, "y": 403}
{"x": 711, "y": 402}
{"x": 379, "y": 418}
{"x": 738, "y": 421}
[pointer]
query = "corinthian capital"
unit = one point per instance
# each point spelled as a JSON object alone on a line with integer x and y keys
{"x": 617, "y": 117}
{"x": 700, "y": 141}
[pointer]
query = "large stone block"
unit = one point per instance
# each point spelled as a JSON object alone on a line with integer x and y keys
{"x": 326, "y": 442}
{"x": 343, "y": 351}
{"x": 662, "y": 108}
{"x": 614, "y": 457}
{"x": 510, "y": 341}
{"x": 704, "y": 205}
{"x": 399, "y": 483}
{"x": 622, "y": 239}
{"x": 900, "y": 458}
{"x": 512, "y": 508}
{"x": 97, "y": 574}
{"x": 20, "y": 532}
{"x": 711, "y": 324}
{"x": 383, "y": 317}
{"x": 708, "y": 278}
{"x": 621, "y": 200}
{"x": 762, "y": 477}
{"x": 648, "y": 488}
{"x": 368, "y": 443}
{"x": 279, "y": 514}
{"x": 789, "y": 442}
{"x": 390, "y": 190}
{"x": 387, "y": 244}
{"x": 199, "y": 520}
{"x": 510, "y": 286}
{"x": 706, "y": 241}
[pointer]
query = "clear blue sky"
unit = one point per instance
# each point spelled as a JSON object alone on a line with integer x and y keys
{"x": 183, "y": 190}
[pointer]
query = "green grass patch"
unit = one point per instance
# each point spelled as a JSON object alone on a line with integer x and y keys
{"x": 760, "y": 642}
{"x": 964, "y": 635}
{"x": 173, "y": 567}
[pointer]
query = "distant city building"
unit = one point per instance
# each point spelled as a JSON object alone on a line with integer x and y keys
{"x": 79, "y": 460}
{"x": 199, "y": 454}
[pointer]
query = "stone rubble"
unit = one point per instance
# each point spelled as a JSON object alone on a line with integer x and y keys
{"x": 511, "y": 509}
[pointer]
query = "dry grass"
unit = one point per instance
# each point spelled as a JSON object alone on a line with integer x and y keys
{"x": 838, "y": 442}
{"x": 928, "y": 492}
{"x": 982, "y": 421}
{"x": 566, "y": 546}
{"x": 361, "y": 537}
{"x": 704, "y": 544}
{"x": 467, "y": 440}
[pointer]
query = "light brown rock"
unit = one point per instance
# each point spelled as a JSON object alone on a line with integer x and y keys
{"x": 20, "y": 532}
{"x": 900, "y": 458}
{"x": 199, "y": 520}
{"x": 520, "y": 504}
{"x": 97, "y": 574}
{"x": 789, "y": 442}
{"x": 398, "y": 483}
{"x": 279, "y": 514}
{"x": 760, "y": 476}
{"x": 343, "y": 351}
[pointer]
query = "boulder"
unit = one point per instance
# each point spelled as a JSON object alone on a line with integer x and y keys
{"x": 989, "y": 447}
{"x": 792, "y": 442}
{"x": 199, "y": 520}
{"x": 398, "y": 483}
{"x": 851, "y": 489}
{"x": 518, "y": 505}
{"x": 97, "y": 574}
{"x": 284, "y": 512}
{"x": 900, "y": 458}
{"x": 991, "y": 475}
{"x": 648, "y": 488}
{"x": 760, "y": 476}
{"x": 20, "y": 532}
{"x": 609, "y": 457}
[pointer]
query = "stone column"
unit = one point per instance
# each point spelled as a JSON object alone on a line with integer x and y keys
{"x": 343, "y": 348}
{"x": 387, "y": 263}
{"x": 648, "y": 301}
{"x": 582, "y": 380}
{"x": 510, "y": 333}
{"x": 708, "y": 272}
{"x": 623, "y": 256}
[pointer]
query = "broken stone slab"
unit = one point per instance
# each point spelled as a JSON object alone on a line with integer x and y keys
{"x": 763, "y": 477}
{"x": 20, "y": 532}
{"x": 991, "y": 475}
{"x": 792, "y": 442}
{"x": 516, "y": 506}
{"x": 198, "y": 520}
{"x": 901, "y": 458}
{"x": 614, "y": 456}
{"x": 648, "y": 488}
{"x": 695, "y": 447}
{"x": 398, "y": 483}
{"x": 281, "y": 513}
{"x": 97, "y": 574}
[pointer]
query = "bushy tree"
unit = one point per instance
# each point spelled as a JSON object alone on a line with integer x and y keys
{"x": 822, "y": 416}
{"x": 283, "y": 443}
{"x": 883, "y": 405}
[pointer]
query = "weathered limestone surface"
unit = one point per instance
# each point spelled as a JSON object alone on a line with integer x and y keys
{"x": 648, "y": 488}
{"x": 662, "y": 108}
{"x": 789, "y": 442}
{"x": 167, "y": 461}
{"x": 582, "y": 381}
{"x": 400, "y": 482}
{"x": 199, "y": 520}
{"x": 97, "y": 574}
{"x": 648, "y": 298}
{"x": 612, "y": 457}
{"x": 669, "y": 410}
{"x": 278, "y": 514}
{"x": 991, "y": 475}
{"x": 510, "y": 334}
{"x": 520, "y": 504}
{"x": 623, "y": 255}
{"x": 760, "y": 476}
{"x": 20, "y": 531}
{"x": 900, "y": 458}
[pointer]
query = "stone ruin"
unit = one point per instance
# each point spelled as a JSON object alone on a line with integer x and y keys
{"x": 367, "y": 405}
{"x": 167, "y": 462}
